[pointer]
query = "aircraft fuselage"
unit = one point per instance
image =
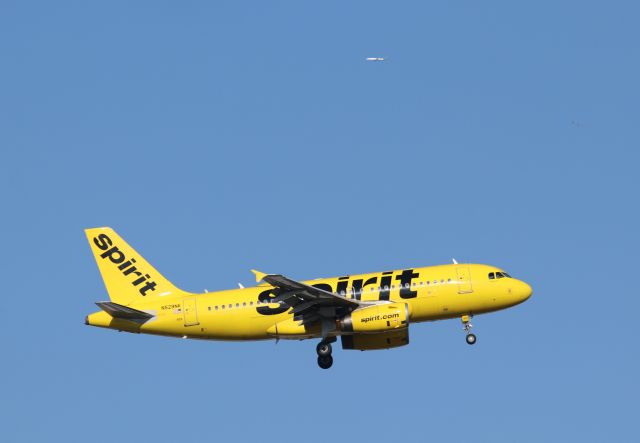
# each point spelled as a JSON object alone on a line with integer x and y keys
{"x": 430, "y": 293}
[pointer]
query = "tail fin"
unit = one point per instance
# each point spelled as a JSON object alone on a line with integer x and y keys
{"x": 127, "y": 276}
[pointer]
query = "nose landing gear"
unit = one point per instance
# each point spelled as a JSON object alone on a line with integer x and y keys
{"x": 325, "y": 360}
{"x": 471, "y": 338}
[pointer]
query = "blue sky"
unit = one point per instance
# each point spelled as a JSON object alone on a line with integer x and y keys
{"x": 217, "y": 137}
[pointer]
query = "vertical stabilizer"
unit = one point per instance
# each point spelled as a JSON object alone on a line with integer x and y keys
{"x": 126, "y": 274}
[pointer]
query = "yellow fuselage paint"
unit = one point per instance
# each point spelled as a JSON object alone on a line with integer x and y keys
{"x": 433, "y": 293}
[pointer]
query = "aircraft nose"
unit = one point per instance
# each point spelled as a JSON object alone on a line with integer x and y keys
{"x": 523, "y": 291}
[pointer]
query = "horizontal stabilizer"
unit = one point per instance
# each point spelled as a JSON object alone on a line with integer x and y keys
{"x": 124, "y": 312}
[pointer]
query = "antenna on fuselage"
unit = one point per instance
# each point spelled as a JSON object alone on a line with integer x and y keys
{"x": 455, "y": 262}
{"x": 240, "y": 285}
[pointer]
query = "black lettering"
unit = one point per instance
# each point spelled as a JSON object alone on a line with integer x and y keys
{"x": 343, "y": 282}
{"x": 266, "y": 297}
{"x": 405, "y": 279}
{"x": 126, "y": 264}
{"x": 385, "y": 281}
{"x": 115, "y": 255}
{"x": 370, "y": 281}
{"x": 130, "y": 270}
{"x": 102, "y": 241}
{"x": 324, "y": 286}
{"x": 140, "y": 280}
{"x": 150, "y": 285}
{"x": 356, "y": 287}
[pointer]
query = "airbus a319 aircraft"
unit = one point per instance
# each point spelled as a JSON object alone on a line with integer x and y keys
{"x": 367, "y": 311}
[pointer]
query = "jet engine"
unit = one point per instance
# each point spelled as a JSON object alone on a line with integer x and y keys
{"x": 376, "y": 318}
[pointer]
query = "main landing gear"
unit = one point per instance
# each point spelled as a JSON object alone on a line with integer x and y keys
{"x": 325, "y": 360}
{"x": 471, "y": 338}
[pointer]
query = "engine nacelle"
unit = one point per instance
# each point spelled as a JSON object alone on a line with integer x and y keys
{"x": 371, "y": 342}
{"x": 376, "y": 318}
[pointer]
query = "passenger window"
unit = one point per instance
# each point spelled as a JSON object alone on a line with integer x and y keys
{"x": 216, "y": 308}
{"x": 250, "y": 303}
{"x": 230, "y": 306}
{"x": 222, "y": 306}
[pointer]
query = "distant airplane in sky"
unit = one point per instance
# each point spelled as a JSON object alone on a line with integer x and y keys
{"x": 375, "y": 59}
{"x": 367, "y": 311}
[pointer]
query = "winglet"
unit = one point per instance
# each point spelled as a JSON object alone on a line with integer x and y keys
{"x": 259, "y": 275}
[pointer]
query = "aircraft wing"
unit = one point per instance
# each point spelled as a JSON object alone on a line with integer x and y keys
{"x": 307, "y": 301}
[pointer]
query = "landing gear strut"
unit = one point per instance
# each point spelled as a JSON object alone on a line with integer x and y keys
{"x": 471, "y": 338}
{"x": 325, "y": 360}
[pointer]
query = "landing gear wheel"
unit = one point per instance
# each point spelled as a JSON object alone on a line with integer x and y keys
{"x": 466, "y": 321}
{"x": 471, "y": 339}
{"x": 323, "y": 349}
{"x": 325, "y": 362}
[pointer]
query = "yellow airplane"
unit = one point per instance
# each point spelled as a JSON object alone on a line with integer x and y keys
{"x": 367, "y": 311}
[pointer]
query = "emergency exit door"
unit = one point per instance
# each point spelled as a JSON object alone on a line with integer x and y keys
{"x": 190, "y": 312}
{"x": 464, "y": 280}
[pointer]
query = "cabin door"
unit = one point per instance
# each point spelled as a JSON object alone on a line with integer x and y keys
{"x": 190, "y": 312}
{"x": 464, "y": 279}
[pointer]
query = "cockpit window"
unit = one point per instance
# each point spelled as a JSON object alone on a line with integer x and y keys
{"x": 495, "y": 275}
